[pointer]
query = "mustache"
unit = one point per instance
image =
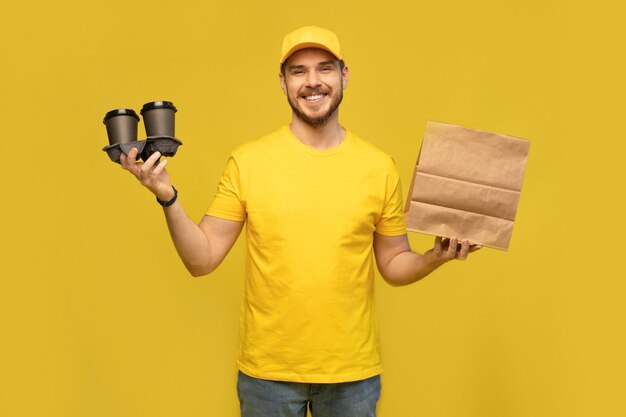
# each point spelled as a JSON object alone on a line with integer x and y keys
{"x": 314, "y": 91}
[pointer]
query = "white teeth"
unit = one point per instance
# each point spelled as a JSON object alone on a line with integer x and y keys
{"x": 315, "y": 97}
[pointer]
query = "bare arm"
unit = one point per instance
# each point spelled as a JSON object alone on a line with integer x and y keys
{"x": 398, "y": 265}
{"x": 201, "y": 247}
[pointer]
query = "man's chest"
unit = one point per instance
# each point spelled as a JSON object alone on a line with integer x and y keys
{"x": 315, "y": 194}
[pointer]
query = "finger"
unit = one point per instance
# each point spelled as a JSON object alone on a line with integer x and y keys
{"x": 159, "y": 168}
{"x": 129, "y": 163}
{"x": 132, "y": 155}
{"x": 437, "y": 249}
{"x": 153, "y": 158}
{"x": 462, "y": 255}
{"x": 130, "y": 158}
{"x": 474, "y": 248}
{"x": 451, "y": 252}
{"x": 148, "y": 165}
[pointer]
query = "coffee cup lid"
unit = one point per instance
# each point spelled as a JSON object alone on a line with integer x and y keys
{"x": 120, "y": 112}
{"x": 158, "y": 105}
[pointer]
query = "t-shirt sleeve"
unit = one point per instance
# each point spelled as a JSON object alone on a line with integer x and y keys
{"x": 228, "y": 202}
{"x": 391, "y": 221}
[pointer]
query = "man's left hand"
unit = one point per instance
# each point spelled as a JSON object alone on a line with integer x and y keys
{"x": 447, "y": 249}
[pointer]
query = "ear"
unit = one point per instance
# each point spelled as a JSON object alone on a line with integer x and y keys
{"x": 283, "y": 82}
{"x": 345, "y": 74}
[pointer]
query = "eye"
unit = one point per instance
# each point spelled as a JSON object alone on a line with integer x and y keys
{"x": 326, "y": 68}
{"x": 297, "y": 72}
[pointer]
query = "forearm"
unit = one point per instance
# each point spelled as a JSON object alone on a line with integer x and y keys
{"x": 190, "y": 241}
{"x": 400, "y": 266}
{"x": 408, "y": 267}
{"x": 199, "y": 248}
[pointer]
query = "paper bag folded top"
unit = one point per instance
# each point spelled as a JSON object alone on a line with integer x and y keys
{"x": 466, "y": 184}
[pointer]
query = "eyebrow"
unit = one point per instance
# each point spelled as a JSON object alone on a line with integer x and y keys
{"x": 319, "y": 64}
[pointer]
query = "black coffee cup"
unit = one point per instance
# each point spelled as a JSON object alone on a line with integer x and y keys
{"x": 158, "y": 118}
{"x": 121, "y": 125}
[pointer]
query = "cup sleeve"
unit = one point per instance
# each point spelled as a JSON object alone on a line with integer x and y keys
{"x": 228, "y": 203}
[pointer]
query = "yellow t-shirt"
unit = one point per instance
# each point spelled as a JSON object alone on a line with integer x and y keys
{"x": 307, "y": 313}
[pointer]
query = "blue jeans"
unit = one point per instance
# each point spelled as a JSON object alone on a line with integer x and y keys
{"x": 262, "y": 398}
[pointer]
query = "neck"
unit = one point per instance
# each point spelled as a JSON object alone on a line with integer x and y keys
{"x": 327, "y": 136}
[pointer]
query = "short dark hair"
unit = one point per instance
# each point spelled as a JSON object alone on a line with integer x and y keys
{"x": 282, "y": 66}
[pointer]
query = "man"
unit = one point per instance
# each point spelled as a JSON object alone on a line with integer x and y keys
{"x": 318, "y": 201}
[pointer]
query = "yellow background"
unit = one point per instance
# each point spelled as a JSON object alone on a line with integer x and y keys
{"x": 98, "y": 317}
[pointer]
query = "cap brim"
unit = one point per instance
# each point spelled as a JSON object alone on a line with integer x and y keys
{"x": 308, "y": 45}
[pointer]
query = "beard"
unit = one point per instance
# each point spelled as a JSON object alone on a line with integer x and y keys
{"x": 318, "y": 120}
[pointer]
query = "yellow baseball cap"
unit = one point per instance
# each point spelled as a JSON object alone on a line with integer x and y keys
{"x": 310, "y": 37}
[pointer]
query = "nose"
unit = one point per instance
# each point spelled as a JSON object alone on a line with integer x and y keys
{"x": 312, "y": 79}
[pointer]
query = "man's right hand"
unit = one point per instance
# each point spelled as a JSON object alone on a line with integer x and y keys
{"x": 154, "y": 177}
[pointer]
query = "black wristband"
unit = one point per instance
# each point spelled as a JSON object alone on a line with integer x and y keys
{"x": 170, "y": 201}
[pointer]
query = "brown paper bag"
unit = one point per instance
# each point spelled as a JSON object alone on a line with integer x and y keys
{"x": 466, "y": 184}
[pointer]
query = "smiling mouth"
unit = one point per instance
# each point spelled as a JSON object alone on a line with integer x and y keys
{"x": 312, "y": 98}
